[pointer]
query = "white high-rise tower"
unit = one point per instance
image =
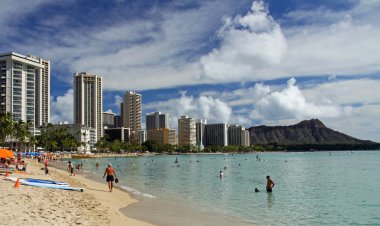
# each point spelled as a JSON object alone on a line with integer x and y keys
{"x": 25, "y": 88}
{"x": 88, "y": 106}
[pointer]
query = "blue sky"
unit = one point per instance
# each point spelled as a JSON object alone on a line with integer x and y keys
{"x": 247, "y": 62}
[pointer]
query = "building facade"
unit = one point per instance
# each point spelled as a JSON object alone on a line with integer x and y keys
{"x": 200, "y": 131}
{"x": 43, "y": 94}
{"x": 108, "y": 120}
{"x": 88, "y": 105}
{"x": 140, "y": 136}
{"x": 238, "y": 136}
{"x": 131, "y": 111}
{"x": 172, "y": 137}
{"x": 215, "y": 135}
{"x": 25, "y": 88}
{"x": 186, "y": 131}
{"x": 162, "y": 136}
{"x": 121, "y": 133}
{"x": 157, "y": 120}
{"x": 117, "y": 121}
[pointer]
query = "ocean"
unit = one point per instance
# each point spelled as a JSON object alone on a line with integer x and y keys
{"x": 311, "y": 188}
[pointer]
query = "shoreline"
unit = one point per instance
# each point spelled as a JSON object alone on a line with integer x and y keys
{"x": 44, "y": 206}
{"x": 162, "y": 210}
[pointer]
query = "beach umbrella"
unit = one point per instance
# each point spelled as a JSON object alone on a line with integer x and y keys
{"x": 5, "y": 153}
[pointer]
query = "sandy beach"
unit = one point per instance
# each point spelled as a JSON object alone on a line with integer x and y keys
{"x": 43, "y": 206}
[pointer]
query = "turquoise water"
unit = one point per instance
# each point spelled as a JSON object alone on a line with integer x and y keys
{"x": 312, "y": 188}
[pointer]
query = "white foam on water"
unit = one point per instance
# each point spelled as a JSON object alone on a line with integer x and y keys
{"x": 136, "y": 192}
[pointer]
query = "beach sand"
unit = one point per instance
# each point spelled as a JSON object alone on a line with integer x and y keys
{"x": 27, "y": 205}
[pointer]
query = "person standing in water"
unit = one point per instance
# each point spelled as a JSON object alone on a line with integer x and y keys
{"x": 270, "y": 184}
{"x": 70, "y": 168}
{"x": 111, "y": 175}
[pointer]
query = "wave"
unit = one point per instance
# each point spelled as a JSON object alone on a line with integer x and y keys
{"x": 136, "y": 192}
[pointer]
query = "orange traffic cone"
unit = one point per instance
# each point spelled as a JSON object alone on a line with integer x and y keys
{"x": 17, "y": 184}
{"x": 7, "y": 174}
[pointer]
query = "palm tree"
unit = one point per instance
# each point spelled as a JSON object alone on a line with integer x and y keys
{"x": 22, "y": 133}
{"x": 7, "y": 127}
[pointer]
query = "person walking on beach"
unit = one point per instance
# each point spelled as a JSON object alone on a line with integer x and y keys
{"x": 111, "y": 175}
{"x": 70, "y": 168}
{"x": 270, "y": 184}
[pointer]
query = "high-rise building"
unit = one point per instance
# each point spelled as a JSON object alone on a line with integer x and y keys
{"x": 25, "y": 88}
{"x": 157, "y": 120}
{"x": 88, "y": 107}
{"x": 216, "y": 135}
{"x": 200, "y": 128}
{"x": 186, "y": 131}
{"x": 131, "y": 111}
{"x": 238, "y": 135}
{"x": 108, "y": 120}
{"x": 43, "y": 94}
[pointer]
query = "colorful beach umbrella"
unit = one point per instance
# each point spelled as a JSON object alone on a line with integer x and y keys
{"x": 5, "y": 153}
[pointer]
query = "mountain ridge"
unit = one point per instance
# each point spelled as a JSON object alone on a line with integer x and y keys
{"x": 305, "y": 132}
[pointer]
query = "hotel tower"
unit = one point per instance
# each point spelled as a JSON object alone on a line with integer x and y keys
{"x": 88, "y": 107}
{"x": 131, "y": 111}
{"x": 25, "y": 88}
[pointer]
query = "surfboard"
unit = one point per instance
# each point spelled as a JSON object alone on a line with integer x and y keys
{"x": 45, "y": 185}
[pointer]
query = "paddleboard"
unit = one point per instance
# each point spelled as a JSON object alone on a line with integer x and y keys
{"x": 45, "y": 185}
{"x": 44, "y": 181}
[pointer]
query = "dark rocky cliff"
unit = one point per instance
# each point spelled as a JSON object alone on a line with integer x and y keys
{"x": 306, "y": 132}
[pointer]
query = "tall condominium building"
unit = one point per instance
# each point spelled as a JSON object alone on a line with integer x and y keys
{"x": 216, "y": 135}
{"x": 131, "y": 111}
{"x": 25, "y": 88}
{"x": 186, "y": 131}
{"x": 43, "y": 94}
{"x": 238, "y": 136}
{"x": 108, "y": 120}
{"x": 200, "y": 128}
{"x": 157, "y": 120}
{"x": 88, "y": 107}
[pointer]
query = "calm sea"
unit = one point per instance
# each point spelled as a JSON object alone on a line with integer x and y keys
{"x": 311, "y": 188}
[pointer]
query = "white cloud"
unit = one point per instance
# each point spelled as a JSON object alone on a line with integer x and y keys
{"x": 291, "y": 103}
{"x": 213, "y": 109}
{"x": 10, "y": 8}
{"x": 109, "y": 111}
{"x": 62, "y": 107}
{"x": 117, "y": 101}
{"x": 319, "y": 42}
{"x": 250, "y": 42}
{"x": 346, "y": 92}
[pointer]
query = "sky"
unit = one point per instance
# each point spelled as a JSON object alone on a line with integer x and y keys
{"x": 245, "y": 62}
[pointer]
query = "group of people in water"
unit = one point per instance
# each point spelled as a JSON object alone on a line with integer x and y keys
{"x": 111, "y": 175}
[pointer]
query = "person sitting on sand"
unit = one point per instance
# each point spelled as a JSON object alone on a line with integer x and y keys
{"x": 110, "y": 172}
{"x": 270, "y": 184}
